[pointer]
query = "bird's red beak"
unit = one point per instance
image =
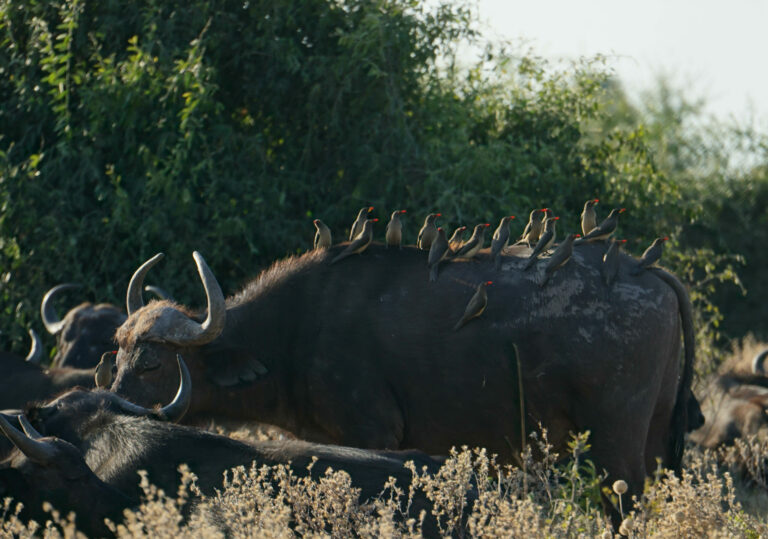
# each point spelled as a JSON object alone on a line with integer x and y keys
{"x": 402, "y": 211}
{"x": 665, "y": 238}
{"x": 622, "y": 210}
{"x": 487, "y": 224}
{"x": 375, "y": 220}
{"x": 596, "y": 200}
{"x": 488, "y": 283}
{"x": 370, "y": 209}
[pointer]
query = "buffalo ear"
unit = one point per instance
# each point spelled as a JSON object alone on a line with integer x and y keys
{"x": 239, "y": 367}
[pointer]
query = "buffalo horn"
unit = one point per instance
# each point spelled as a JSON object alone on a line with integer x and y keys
{"x": 52, "y": 322}
{"x": 176, "y": 409}
{"x": 758, "y": 364}
{"x": 35, "y": 354}
{"x": 37, "y": 450}
{"x": 159, "y": 292}
{"x": 133, "y": 300}
{"x": 188, "y": 332}
{"x": 29, "y": 430}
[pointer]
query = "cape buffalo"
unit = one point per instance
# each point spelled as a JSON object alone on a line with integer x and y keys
{"x": 25, "y": 381}
{"x": 118, "y": 438}
{"x": 736, "y": 405}
{"x": 362, "y": 353}
{"x": 53, "y": 470}
{"x": 86, "y": 331}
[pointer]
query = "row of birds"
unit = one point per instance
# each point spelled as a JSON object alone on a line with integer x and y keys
{"x": 540, "y": 232}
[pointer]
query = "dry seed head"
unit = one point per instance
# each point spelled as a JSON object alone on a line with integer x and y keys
{"x": 620, "y": 487}
{"x": 607, "y": 534}
{"x": 627, "y": 525}
{"x": 679, "y": 517}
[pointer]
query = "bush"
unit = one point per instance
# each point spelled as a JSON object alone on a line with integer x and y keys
{"x": 128, "y": 129}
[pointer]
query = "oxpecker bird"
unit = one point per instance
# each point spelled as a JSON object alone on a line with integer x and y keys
{"x": 476, "y": 305}
{"x": 532, "y": 230}
{"x": 559, "y": 258}
{"x": 588, "y": 216}
{"x": 546, "y": 240}
{"x": 500, "y": 240}
{"x": 610, "y": 266}
{"x": 605, "y": 229}
{"x": 103, "y": 376}
{"x": 437, "y": 252}
{"x": 322, "y": 235}
{"x": 428, "y": 232}
{"x": 360, "y": 243}
{"x": 394, "y": 235}
{"x": 651, "y": 255}
{"x": 474, "y": 244}
{"x": 357, "y": 226}
{"x": 457, "y": 239}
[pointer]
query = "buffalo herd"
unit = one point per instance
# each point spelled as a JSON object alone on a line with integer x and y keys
{"x": 360, "y": 362}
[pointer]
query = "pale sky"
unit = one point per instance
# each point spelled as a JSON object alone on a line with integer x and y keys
{"x": 718, "y": 49}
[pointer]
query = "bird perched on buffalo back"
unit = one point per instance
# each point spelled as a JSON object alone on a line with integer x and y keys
{"x": 457, "y": 239}
{"x": 357, "y": 226}
{"x": 532, "y": 230}
{"x": 589, "y": 216}
{"x": 322, "y": 235}
{"x": 474, "y": 244}
{"x": 604, "y": 229}
{"x": 394, "y": 234}
{"x": 546, "y": 240}
{"x": 428, "y": 232}
{"x": 437, "y": 252}
{"x": 476, "y": 305}
{"x": 500, "y": 240}
{"x": 559, "y": 258}
{"x": 611, "y": 259}
{"x": 651, "y": 255}
{"x": 360, "y": 243}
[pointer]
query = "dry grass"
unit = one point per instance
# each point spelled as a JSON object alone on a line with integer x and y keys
{"x": 550, "y": 499}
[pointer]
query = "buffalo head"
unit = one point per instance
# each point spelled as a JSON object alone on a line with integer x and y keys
{"x": 54, "y": 471}
{"x": 154, "y": 333}
{"x": 85, "y": 332}
{"x": 78, "y": 411}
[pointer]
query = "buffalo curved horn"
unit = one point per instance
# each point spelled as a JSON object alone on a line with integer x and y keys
{"x": 758, "y": 364}
{"x": 37, "y": 450}
{"x": 176, "y": 409}
{"x": 133, "y": 300}
{"x": 35, "y": 354}
{"x": 187, "y": 331}
{"x": 159, "y": 292}
{"x": 29, "y": 430}
{"x": 52, "y": 322}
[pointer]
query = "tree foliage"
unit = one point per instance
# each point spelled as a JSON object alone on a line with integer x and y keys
{"x": 132, "y": 128}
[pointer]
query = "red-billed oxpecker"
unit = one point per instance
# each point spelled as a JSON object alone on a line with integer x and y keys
{"x": 546, "y": 240}
{"x": 323, "y": 238}
{"x": 457, "y": 239}
{"x": 532, "y": 230}
{"x": 651, "y": 255}
{"x": 437, "y": 253}
{"x": 394, "y": 234}
{"x": 559, "y": 258}
{"x": 605, "y": 229}
{"x": 357, "y": 226}
{"x": 359, "y": 244}
{"x": 476, "y": 305}
{"x": 428, "y": 232}
{"x": 500, "y": 240}
{"x": 589, "y": 216}
{"x": 474, "y": 244}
